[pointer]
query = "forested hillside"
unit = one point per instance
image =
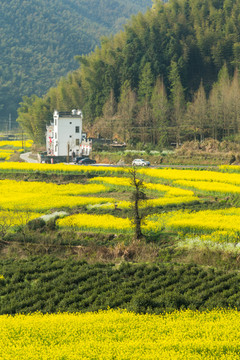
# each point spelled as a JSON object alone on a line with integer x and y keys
{"x": 40, "y": 38}
{"x": 170, "y": 76}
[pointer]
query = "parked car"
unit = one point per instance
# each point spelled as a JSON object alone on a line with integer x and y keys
{"x": 86, "y": 161}
{"x": 78, "y": 158}
{"x": 140, "y": 162}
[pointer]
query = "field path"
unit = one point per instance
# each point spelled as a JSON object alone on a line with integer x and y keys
{"x": 26, "y": 157}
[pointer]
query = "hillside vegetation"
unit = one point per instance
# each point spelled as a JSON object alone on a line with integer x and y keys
{"x": 170, "y": 76}
{"x": 39, "y": 40}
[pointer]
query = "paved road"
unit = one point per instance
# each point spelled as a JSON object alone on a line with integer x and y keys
{"x": 26, "y": 157}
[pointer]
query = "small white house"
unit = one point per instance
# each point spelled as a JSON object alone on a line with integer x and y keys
{"x": 64, "y": 136}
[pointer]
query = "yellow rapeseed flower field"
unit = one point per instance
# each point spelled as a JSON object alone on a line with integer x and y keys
{"x": 123, "y": 181}
{"x": 57, "y": 168}
{"x": 161, "y": 201}
{"x": 41, "y": 196}
{"x": 119, "y": 335}
{"x": 5, "y": 154}
{"x": 16, "y": 144}
{"x": 230, "y": 168}
{"x": 101, "y": 222}
{"x": 210, "y": 186}
{"x": 223, "y": 224}
{"x": 193, "y": 175}
{"x": 13, "y": 218}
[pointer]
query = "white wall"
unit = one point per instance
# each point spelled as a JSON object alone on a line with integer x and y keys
{"x": 65, "y": 134}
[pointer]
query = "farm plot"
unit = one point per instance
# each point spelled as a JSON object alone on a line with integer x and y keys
{"x": 184, "y": 188}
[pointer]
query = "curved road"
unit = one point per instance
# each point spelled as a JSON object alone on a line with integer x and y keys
{"x": 26, "y": 157}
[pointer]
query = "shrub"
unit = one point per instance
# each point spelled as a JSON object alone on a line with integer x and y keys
{"x": 36, "y": 224}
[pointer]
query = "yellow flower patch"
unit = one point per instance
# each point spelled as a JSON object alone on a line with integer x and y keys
{"x": 100, "y": 222}
{"x": 107, "y": 335}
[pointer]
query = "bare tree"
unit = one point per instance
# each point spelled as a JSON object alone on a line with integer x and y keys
{"x": 197, "y": 114}
{"x": 138, "y": 195}
{"x": 126, "y": 112}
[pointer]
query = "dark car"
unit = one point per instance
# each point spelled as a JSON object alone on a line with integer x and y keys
{"x": 86, "y": 161}
{"x": 78, "y": 158}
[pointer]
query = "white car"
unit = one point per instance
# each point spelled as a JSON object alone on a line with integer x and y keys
{"x": 140, "y": 162}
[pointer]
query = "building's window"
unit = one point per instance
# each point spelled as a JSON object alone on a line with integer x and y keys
{"x": 77, "y": 141}
{"x": 55, "y": 148}
{"x": 70, "y": 123}
{"x": 77, "y": 129}
{"x": 55, "y": 121}
{"x": 70, "y": 136}
{"x": 55, "y": 135}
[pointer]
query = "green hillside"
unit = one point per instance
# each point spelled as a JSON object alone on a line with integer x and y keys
{"x": 39, "y": 39}
{"x": 169, "y": 77}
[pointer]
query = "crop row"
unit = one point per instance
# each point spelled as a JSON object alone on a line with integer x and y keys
{"x": 51, "y": 285}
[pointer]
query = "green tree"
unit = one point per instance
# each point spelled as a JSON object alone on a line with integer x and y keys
{"x": 160, "y": 113}
{"x": 34, "y": 115}
{"x": 109, "y": 114}
{"x": 220, "y": 105}
{"x": 177, "y": 101}
{"x": 145, "y": 83}
{"x": 126, "y": 112}
{"x": 143, "y": 122}
{"x": 197, "y": 118}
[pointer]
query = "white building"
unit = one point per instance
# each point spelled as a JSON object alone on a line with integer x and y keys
{"x": 64, "y": 136}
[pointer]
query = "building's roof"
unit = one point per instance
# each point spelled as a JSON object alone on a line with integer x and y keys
{"x": 69, "y": 114}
